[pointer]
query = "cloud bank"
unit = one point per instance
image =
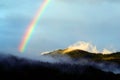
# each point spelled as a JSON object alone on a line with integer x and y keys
{"x": 82, "y": 45}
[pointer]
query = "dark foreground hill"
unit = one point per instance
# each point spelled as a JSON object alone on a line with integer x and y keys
{"x": 12, "y": 67}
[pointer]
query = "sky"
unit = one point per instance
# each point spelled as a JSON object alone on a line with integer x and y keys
{"x": 63, "y": 23}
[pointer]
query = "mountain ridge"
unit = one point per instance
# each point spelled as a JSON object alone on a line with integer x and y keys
{"x": 77, "y": 53}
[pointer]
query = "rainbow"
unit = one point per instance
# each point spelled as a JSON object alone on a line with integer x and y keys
{"x": 32, "y": 26}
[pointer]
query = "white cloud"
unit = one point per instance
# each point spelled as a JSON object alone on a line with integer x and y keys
{"x": 88, "y": 47}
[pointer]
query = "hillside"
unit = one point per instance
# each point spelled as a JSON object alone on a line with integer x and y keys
{"x": 13, "y": 67}
{"x": 76, "y": 54}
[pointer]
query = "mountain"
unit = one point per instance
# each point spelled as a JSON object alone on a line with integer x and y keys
{"x": 13, "y": 67}
{"x": 77, "y": 54}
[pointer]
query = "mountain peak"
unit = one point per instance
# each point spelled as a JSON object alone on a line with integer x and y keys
{"x": 77, "y": 53}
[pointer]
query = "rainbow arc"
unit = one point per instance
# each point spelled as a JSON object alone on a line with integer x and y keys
{"x": 32, "y": 26}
